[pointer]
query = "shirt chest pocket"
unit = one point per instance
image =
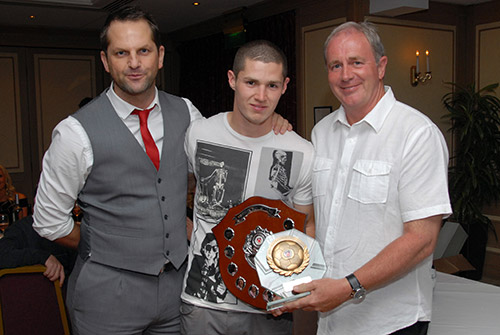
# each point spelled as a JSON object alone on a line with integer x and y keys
{"x": 321, "y": 175}
{"x": 370, "y": 182}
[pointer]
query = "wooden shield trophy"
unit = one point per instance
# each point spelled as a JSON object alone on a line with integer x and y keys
{"x": 240, "y": 235}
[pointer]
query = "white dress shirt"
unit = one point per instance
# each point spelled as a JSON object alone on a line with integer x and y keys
{"x": 368, "y": 180}
{"x": 69, "y": 160}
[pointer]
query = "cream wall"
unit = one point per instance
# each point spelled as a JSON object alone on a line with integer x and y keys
{"x": 401, "y": 39}
{"x": 488, "y": 55}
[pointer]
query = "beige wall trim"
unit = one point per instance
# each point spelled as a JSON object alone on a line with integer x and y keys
{"x": 11, "y": 148}
{"x": 490, "y": 62}
{"x": 493, "y": 250}
{"x": 493, "y": 217}
{"x": 413, "y": 24}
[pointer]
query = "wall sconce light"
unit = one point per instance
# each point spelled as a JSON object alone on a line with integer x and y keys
{"x": 415, "y": 75}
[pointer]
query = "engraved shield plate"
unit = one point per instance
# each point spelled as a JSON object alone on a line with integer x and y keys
{"x": 289, "y": 258}
{"x": 241, "y": 234}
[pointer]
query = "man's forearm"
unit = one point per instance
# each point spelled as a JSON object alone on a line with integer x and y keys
{"x": 309, "y": 228}
{"x": 72, "y": 239}
{"x": 403, "y": 254}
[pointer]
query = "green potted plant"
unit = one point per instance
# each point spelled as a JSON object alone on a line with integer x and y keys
{"x": 474, "y": 175}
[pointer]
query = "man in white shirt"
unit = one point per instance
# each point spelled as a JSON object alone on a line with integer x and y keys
{"x": 380, "y": 194}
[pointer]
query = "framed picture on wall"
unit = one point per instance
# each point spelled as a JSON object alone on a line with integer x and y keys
{"x": 320, "y": 112}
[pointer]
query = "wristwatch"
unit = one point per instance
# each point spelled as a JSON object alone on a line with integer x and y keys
{"x": 358, "y": 291}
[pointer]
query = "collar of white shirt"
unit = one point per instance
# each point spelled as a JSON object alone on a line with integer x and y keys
{"x": 123, "y": 108}
{"x": 377, "y": 115}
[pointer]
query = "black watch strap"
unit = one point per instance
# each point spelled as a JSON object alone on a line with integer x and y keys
{"x": 358, "y": 292}
{"x": 353, "y": 281}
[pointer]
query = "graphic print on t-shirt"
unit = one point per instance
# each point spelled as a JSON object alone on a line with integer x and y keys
{"x": 278, "y": 173}
{"x": 204, "y": 280}
{"x": 222, "y": 173}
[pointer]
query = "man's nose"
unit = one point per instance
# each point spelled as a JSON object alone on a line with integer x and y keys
{"x": 134, "y": 61}
{"x": 346, "y": 73}
{"x": 261, "y": 93}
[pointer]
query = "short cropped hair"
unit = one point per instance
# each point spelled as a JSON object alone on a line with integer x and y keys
{"x": 129, "y": 13}
{"x": 370, "y": 32}
{"x": 260, "y": 50}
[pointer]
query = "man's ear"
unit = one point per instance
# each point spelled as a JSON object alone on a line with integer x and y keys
{"x": 285, "y": 85}
{"x": 231, "y": 78}
{"x": 104, "y": 60}
{"x": 161, "y": 55}
{"x": 382, "y": 63}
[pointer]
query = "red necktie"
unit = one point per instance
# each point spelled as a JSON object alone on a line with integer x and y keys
{"x": 149, "y": 142}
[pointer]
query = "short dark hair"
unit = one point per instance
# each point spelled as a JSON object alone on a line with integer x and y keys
{"x": 260, "y": 50}
{"x": 129, "y": 13}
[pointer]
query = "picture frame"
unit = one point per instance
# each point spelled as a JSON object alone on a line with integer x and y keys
{"x": 320, "y": 112}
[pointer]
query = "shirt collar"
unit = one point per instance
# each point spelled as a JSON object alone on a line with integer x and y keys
{"x": 376, "y": 117}
{"x": 123, "y": 108}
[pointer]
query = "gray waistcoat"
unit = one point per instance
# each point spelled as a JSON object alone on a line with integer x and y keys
{"x": 134, "y": 216}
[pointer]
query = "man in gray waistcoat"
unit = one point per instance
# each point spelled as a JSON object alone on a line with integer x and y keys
{"x": 132, "y": 240}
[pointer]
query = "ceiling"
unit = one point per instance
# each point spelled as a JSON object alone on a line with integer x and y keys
{"x": 90, "y": 14}
{"x": 463, "y": 2}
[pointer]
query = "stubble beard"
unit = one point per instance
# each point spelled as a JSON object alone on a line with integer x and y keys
{"x": 128, "y": 89}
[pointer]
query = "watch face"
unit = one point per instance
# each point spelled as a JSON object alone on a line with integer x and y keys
{"x": 360, "y": 294}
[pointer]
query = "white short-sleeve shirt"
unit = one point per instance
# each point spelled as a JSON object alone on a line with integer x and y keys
{"x": 368, "y": 179}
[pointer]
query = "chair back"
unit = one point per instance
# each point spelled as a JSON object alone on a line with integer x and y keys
{"x": 30, "y": 303}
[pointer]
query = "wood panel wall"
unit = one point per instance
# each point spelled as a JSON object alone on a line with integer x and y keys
{"x": 61, "y": 82}
{"x": 11, "y": 135}
{"x": 44, "y": 75}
